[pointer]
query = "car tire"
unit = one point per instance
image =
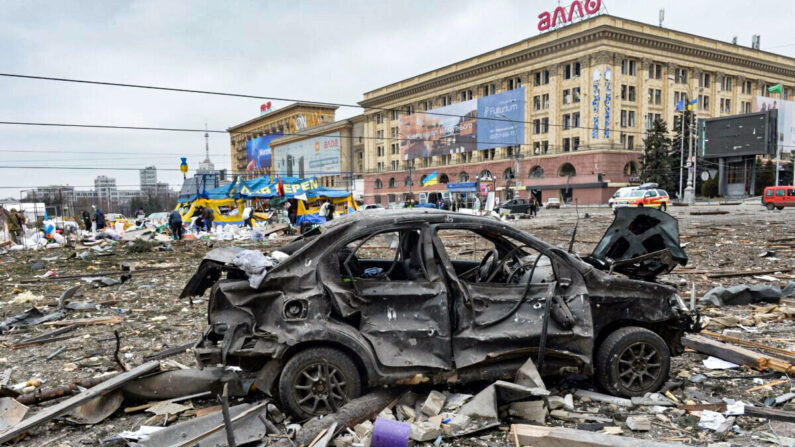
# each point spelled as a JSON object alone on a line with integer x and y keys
{"x": 663, "y": 207}
{"x": 632, "y": 361}
{"x": 770, "y": 206}
{"x": 303, "y": 385}
{"x": 640, "y": 205}
{"x": 779, "y": 208}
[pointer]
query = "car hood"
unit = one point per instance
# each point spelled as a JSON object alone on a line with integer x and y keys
{"x": 641, "y": 243}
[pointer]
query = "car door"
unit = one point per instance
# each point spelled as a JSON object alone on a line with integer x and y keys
{"x": 401, "y": 299}
{"x": 502, "y": 316}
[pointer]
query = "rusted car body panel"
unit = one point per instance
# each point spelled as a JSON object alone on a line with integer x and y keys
{"x": 424, "y": 323}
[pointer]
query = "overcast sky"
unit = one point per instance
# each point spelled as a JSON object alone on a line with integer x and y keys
{"x": 313, "y": 50}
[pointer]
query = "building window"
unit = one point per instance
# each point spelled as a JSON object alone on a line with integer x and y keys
{"x": 379, "y": 151}
{"x": 705, "y": 78}
{"x": 575, "y": 120}
{"x": 444, "y": 101}
{"x": 566, "y": 96}
{"x": 537, "y": 148}
{"x": 567, "y": 170}
{"x": 567, "y": 71}
{"x": 575, "y": 143}
{"x": 703, "y": 102}
{"x": 566, "y": 121}
{"x": 378, "y": 184}
{"x": 536, "y": 126}
{"x": 541, "y": 78}
{"x": 624, "y": 92}
{"x": 566, "y": 145}
{"x": 655, "y": 71}
{"x": 680, "y": 75}
{"x": 628, "y": 67}
{"x": 623, "y": 118}
{"x": 378, "y": 118}
{"x": 726, "y": 85}
{"x": 630, "y": 142}
{"x": 392, "y": 182}
{"x": 631, "y": 93}
{"x": 395, "y": 165}
{"x": 489, "y": 89}
{"x": 536, "y": 102}
{"x": 395, "y": 114}
{"x": 628, "y": 93}
{"x": 575, "y": 94}
{"x": 444, "y": 179}
{"x": 463, "y": 177}
{"x": 545, "y": 125}
{"x": 545, "y": 101}
{"x": 536, "y": 172}
{"x": 657, "y": 96}
{"x": 746, "y": 88}
{"x": 545, "y": 146}
{"x": 631, "y": 121}
{"x": 408, "y": 182}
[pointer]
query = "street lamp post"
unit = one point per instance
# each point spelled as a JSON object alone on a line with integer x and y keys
{"x": 515, "y": 151}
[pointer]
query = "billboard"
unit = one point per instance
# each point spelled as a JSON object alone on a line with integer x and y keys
{"x": 786, "y": 120}
{"x": 258, "y": 152}
{"x": 315, "y": 156}
{"x": 739, "y": 135}
{"x": 456, "y": 128}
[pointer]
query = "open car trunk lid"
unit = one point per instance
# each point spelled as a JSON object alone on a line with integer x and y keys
{"x": 641, "y": 243}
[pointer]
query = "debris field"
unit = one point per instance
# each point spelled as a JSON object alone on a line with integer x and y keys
{"x": 76, "y": 318}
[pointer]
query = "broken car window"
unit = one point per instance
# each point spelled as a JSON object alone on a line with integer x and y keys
{"x": 494, "y": 258}
{"x": 392, "y": 256}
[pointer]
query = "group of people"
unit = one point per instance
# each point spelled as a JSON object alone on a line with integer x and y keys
{"x": 15, "y": 220}
{"x": 327, "y": 210}
{"x": 99, "y": 219}
{"x": 205, "y": 216}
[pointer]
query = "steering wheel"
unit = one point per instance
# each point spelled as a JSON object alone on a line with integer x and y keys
{"x": 523, "y": 267}
{"x": 487, "y": 265}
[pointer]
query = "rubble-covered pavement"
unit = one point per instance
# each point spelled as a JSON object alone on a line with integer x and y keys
{"x": 132, "y": 289}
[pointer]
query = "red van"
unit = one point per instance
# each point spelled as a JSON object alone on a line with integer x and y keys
{"x": 778, "y": 197}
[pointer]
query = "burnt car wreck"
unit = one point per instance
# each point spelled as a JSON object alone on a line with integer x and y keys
{"x": 404, "y": 297}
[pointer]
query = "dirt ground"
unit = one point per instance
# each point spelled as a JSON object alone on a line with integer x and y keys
{"x": 153, "y": 318}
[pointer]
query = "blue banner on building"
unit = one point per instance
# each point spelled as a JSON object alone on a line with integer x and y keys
{"x": 463, "y": 187}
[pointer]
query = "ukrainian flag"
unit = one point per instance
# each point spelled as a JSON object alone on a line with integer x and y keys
{"x": 430, "y": 180}
{"x": 692, "y": 104}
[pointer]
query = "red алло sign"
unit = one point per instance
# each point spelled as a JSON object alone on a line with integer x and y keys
{"x": 547, "y": 20}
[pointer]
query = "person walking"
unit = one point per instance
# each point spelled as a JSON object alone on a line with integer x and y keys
{"x": 324, "y": 210}
{"x": 99, "y": 218}
{"x": 14, "y": 226}
{"x": 247, "y": 213}
{"x": 476, "y": 206}
{"x": 86, "y": 220}
{"x": 4, "y": 217}
{"x": 175, "y": 223}
{"x": 331, "y": 209}
{"x": 208, "y": 216}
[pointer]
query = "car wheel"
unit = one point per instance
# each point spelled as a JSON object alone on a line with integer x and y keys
{"x": 318, "y": 381}
{"x": 770, "y": 206}
{"x": 779, "y": 208}
{"x": 663, "y": 207}
{"x": 632, "y": 361}
{"x": 640, "y": 205}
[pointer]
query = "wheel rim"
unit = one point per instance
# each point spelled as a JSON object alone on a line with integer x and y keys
{"x": 639, "y": 366}
{"x": 320, "y": 388}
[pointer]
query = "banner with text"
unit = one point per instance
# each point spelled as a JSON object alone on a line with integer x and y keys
{"x": 314, "y": 156}
{"x": 786, "y": 120}
{"x": 258, "y": 152}
{"x": 477, "y": 124}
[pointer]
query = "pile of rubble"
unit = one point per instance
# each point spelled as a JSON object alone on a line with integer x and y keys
{"x": 62, "y": 360}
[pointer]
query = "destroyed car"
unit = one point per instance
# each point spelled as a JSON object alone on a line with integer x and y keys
{"x": 413, "y": 296}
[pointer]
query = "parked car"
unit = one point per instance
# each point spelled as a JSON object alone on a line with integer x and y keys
{"x": 620, "y": 193}
{"x": 778, "y": 197}
{"x": 394, "y": 297}
{"x": 552, "y": 202}
{"x": 515, "y": 206}
{"x": 371, "y": 206}
{"x": 644, "y": 198}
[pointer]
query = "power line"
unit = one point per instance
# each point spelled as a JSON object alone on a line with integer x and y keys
{"x": 273, "y": 98}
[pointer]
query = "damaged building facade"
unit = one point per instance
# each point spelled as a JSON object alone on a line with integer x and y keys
{"x": 577, "y": 100}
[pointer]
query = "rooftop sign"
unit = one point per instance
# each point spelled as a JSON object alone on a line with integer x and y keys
{"x": 560, "y": 17}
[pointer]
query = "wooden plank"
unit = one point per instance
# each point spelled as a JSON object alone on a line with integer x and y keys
{"x": 75, "y": 401}
{"x": 781, "y": 353}
{"x": 538, "y": 436}
{"x": 769, "y": 413}
{"x": 86, "y": 321}
{"x": 748, "y": 273}
{"x": 735, "y": 354}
